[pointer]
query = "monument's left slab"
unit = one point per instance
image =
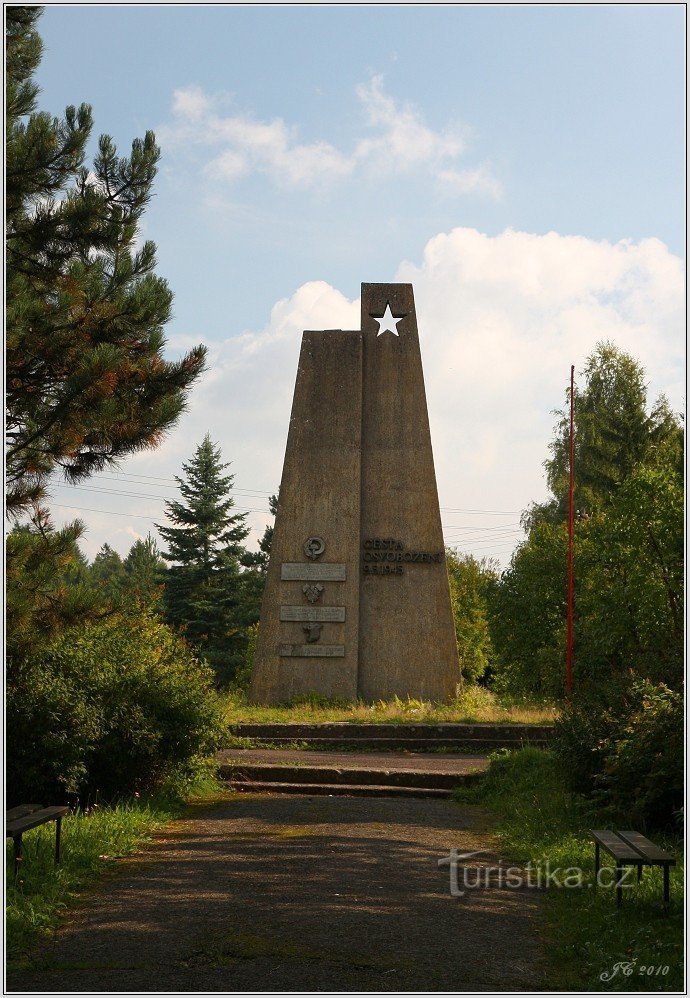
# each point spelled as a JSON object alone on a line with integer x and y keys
{"x": 308, "y": 641}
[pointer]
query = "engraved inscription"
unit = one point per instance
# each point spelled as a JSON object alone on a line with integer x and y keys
{"x": 387, "y": 556}
{"x": 312, "y": 651}
{"x": 336, "y": 613}
{"x": 326, "y": 572}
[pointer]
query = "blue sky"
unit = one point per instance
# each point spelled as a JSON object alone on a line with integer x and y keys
{"x": 523, "y": 166}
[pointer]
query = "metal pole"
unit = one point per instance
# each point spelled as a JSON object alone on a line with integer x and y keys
{"x": 571, "y": 533}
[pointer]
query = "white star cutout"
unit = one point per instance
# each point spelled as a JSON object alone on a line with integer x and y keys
{"x": 387, "y": 323}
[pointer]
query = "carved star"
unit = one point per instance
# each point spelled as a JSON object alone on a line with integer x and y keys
{"x": 388, "y": 322}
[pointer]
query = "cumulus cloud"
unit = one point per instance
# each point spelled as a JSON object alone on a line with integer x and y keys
{"x": 396, "y": 139}
{"x": 501, "y": 318}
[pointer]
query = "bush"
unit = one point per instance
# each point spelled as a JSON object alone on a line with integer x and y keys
{"x": 114, "y": 708}
{"x": 643, "y": 764}
{"x": 624, "y": 749}
{"x": 581, "y": 734}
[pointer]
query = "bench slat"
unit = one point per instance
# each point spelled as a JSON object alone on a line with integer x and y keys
{"x": 651, "y": 853}
{"x": 617, "y": 847}
{"x": 21, "y": 810}
{"x": 34, "y": 819}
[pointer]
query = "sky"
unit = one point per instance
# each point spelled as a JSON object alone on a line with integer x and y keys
{"x": 522, "y": 166}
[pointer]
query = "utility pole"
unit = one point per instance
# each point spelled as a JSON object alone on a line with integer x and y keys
{"x": 571, "y": 534}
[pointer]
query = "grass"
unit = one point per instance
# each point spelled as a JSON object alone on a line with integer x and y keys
{"x": 93, "y": 840}
{"x": 472, "y": 705}
{"x": 540, "y": 821}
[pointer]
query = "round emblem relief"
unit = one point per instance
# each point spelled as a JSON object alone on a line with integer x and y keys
{"x": 314, "y": 547}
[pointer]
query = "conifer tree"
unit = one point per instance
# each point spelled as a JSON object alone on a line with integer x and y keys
{"x": 86, "y": 379}
{"x": 107, "y": 573}
{"x": 207, "y": 594}
{"x": 615, "y": 430}
{"x": 144, "y": 572}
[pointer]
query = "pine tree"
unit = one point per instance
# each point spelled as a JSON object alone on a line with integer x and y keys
{"x": 207, "y": 593}
{"x": 47, "y": 587}
{"x": 86, "y": 379}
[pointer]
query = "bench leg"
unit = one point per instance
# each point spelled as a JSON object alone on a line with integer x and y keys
{"x": 58, "y": 829}
{"x": 17, "y": 839}
{"x": 639, "y": 872}
{"x": 667, "y": 886}
{"x": 619, "y": 886}
{"x": 597, "y": 863}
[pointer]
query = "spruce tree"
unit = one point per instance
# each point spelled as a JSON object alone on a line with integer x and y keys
{"x": 144, "y": 572}
{"x": 86, "y": 379}
{"x": 207, "y": 594}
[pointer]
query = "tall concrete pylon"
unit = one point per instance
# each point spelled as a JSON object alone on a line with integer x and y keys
{"x": 357, "y": 602}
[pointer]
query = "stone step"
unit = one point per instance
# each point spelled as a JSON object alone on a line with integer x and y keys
{"x": 453, "y": 737}
{"x": 238, "y": 772}
{"x": 331, "y": 729}
{"x": 479, "y": 745}
{"x": 338, "y": 789}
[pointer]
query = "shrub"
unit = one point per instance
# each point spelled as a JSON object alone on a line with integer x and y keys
{"x": 624, "y": 749}
{"x": 643, "y": 764}
{"x": 581, "y": 733}
{"x": 115, "y": 707}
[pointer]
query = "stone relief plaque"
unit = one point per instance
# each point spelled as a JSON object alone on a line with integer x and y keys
{"x": 314, "y": 547}
{"x": 336, "y": 613}
{"x": 313, "y": 592}
{"x": 326, "y": 572}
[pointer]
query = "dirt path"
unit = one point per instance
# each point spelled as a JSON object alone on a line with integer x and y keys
{"x": 293, "y": 893}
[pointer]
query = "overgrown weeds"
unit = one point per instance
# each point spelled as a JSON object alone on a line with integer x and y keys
{"x": 473, "y": 704}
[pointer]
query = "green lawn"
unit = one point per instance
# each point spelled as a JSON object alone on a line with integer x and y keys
{"x": 586, "y": 935}
{"x": 475, "y": 705}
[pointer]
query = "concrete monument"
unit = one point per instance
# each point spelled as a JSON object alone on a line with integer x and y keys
{"x": 357, "y": 602}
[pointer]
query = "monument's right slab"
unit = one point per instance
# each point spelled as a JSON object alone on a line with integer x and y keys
{"x": 407, "y": 644}
{"x": 357, "y": 602}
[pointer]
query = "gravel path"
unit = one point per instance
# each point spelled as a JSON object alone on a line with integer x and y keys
{"x": 297, "y": 893}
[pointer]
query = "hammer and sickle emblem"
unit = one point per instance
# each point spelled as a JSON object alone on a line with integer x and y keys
{"x": 314, "y": 547}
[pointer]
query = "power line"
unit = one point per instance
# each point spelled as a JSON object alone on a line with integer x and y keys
{"x": 264, "y": 492}
{"x": 110, "y": 512}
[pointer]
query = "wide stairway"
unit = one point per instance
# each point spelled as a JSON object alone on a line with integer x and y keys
{"x": 406, "y": 760}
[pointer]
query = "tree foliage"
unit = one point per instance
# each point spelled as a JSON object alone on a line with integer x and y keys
{"x": 109, "y": 708}
{"x": 47, "y": 587}
{"x": 208, "y": 595}
{"x": 470, "y": 582}
{"x": 86, "y": 379}
{"x": 615, "y": 432}
{"x": 628, "y": 546}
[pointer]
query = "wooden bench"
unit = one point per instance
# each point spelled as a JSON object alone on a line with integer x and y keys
{"x": 21, "y": 819}
{"x": 631, "y": 849}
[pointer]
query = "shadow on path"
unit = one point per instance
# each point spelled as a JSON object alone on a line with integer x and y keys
{"x": 291, "y": 893}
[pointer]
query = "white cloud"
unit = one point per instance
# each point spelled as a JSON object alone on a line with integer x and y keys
{"x": 403, "y": 139}
{"x": 397, "y": 139}
{"x": 479, "y": 180}
{"x": 501, "y": 318}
